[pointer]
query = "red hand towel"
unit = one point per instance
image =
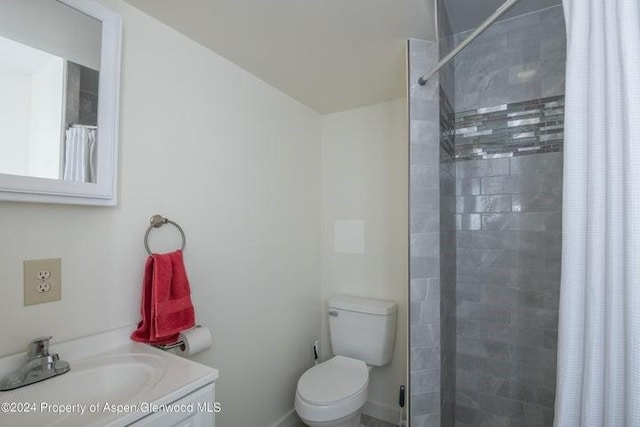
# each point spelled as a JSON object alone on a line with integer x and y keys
{"x": 166, "y": 300}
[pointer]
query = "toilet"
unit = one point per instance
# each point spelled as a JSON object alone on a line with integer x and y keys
{"x": 332, "y": 393}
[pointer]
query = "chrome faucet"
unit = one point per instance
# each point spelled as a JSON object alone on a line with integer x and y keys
{"x": 41, "y": 365}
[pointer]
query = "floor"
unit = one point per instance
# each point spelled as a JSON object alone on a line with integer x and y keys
{"x": 366, "y": 420}
{"x": 374, "y": 422}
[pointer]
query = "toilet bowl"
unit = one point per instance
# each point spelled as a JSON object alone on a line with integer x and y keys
{"x": 362, "y": 331}
{"x": 333, "y": 393}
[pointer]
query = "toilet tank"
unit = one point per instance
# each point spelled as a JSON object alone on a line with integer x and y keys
{"x": 363, "y": 328}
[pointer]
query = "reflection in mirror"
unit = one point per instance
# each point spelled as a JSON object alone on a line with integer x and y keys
{"x": 81, "y": 121}
{"x": 31, "y": 88}
{"x": 49, "y": 80}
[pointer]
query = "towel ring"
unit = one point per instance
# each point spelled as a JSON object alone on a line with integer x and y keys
{"x": 158, "y": 221}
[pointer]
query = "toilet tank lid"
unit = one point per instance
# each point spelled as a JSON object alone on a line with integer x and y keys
{"x": 363, "y": 305}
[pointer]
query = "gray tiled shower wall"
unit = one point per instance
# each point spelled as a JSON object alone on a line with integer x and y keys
{"x": 447, "y": 265}
{"x": 508, "y": 276}
{"x": 424, "y": 251}
{"x": 509, "y": 220}
{"x": 514, "y": 60}
{"x": 500, "y": 274}
{"x": 447, "y": 223}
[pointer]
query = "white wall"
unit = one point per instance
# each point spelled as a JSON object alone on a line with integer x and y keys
{"x": 364, "y": 178}
{"x": 15, "y": 110}
{"x": 237, "y": 164}
{"x": 45, "y": 136}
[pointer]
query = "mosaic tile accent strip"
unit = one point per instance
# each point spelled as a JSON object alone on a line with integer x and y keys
{"x": 508, "y": 130}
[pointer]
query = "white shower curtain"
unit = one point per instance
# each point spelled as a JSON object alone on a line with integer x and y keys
{"x": 598, "y": 381}
{"x": 80, "y": 155}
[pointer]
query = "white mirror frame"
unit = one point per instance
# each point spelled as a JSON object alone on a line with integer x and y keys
{"x": 104, "y": 191}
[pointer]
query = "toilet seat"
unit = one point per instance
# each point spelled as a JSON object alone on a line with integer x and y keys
{"x": 332, "y": 389}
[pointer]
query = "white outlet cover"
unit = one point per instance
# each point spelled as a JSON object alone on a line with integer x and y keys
{"x": 34, "y": 287}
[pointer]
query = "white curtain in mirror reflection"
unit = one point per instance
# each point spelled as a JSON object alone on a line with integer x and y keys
{"x": 80, "y": 154}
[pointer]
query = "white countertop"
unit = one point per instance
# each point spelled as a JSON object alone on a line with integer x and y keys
{"x": 108, "y": 372}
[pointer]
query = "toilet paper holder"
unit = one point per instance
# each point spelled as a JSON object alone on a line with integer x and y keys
{"x": 175, "y": 344}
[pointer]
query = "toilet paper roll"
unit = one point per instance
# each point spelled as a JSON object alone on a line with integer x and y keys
{"x": 195, "y": 341}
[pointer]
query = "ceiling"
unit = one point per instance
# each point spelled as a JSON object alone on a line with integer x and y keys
{"x": 331, "y": 55}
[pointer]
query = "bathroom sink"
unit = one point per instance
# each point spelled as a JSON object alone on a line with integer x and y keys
{"x": 114, "y": 379}
{"x": 114, "y": 387}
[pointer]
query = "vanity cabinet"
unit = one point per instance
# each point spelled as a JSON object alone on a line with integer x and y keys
{"x": 194, "y": 410}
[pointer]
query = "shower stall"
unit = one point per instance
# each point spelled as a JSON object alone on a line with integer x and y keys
{"x": 486, "y": 165}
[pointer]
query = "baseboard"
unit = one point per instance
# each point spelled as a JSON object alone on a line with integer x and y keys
{"x": 291, "y": 419}
{"x": 382, "y": 412}
{"x": 373, "y": 409}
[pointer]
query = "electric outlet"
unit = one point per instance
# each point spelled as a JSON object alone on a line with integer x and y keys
{"x": 43, "y": 274}
{"x": 42, "y": 281}
{"x": 43, "y": 287}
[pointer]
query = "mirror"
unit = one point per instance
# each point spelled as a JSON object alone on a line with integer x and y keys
{"x": 59, "y": 87}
